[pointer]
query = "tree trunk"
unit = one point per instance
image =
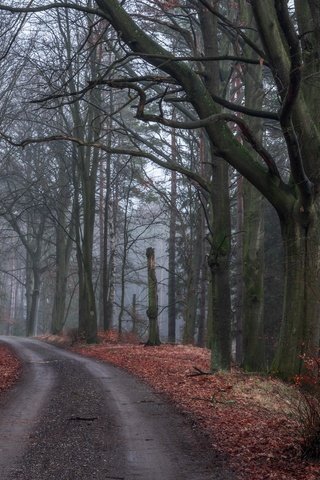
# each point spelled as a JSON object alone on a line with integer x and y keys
{"x": 152, "y": 311}
{"x": 203, "y": 287}
{"x": 108, "y": 250}
{"x": 88, "y": 314}
{"x": 300, "y": 327}
{"x": 239, "y": 274}
{"x": 134, "y": 313}
{"x": 63, "y": 252}
{"x": 35, "y": 297}
{"x": 193, "y": 285}
{"x": 59, "y": 302}
{"x": 172, "y": 311}
{"x": 253, "y": 332}
{"x": 253, "y": 254}
{"x": 84, "y": 239}
{"x": 219, "y": 265}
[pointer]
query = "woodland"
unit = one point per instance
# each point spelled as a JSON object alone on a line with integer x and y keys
{"x": 184, "y": 129}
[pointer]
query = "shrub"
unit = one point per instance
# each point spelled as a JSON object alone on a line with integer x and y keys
{"x": 308, "y": 407}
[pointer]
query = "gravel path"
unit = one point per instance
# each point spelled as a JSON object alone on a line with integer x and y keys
{"x": 72, "y": 418}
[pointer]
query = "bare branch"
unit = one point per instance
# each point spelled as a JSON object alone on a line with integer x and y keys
{"x": 293, "y": 89}
{"x": 115, "y": 151}
{"x": 51, "y": 6}
{"x": 239, "y": 31}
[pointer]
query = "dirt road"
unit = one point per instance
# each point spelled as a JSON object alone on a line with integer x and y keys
{"x": 72, "y": 418}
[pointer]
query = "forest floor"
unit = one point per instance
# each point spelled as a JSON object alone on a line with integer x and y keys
{"x": 10, "y": 368}
{"x": 250, "y": 419}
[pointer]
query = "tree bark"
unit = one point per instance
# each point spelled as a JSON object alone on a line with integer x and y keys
{"x": 253, "y": 293}
{"x": 219, "y": 263}
{"x": 172, "y": 311}
{"x": 299, "y": 333}
{"x": 152, "y": 311}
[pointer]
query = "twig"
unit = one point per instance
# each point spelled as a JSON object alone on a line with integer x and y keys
{"x": 199, "y": 372}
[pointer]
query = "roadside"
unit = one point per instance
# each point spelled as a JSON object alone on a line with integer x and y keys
{"x": 10, "y": 368}
{"x": 250, "y": 419}
{"x": 74, "y": 418}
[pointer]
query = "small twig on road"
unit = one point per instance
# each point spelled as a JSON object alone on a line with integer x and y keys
{"x": 83, "y": 419}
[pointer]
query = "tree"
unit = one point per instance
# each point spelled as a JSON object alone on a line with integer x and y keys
{"x": 152, "y": 311}
{"x": 253, "y": 226}
{"x": 290, "y": 52}
{"x": 286, "y": 51}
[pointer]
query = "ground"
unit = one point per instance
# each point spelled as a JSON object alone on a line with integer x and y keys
{"x": 250, "y": 419}
{"x": 10, "y": 368}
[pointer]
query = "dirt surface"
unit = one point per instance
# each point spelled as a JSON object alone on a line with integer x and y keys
{"x": 72, "y": 418}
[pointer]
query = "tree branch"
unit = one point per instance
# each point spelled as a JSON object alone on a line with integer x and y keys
{"x": 115, "y": 151}
{"x": 51, "y": 6}
{"x": 189, "y": 125}
{"x": 298, "y": 172}
{"x": 239, "y": 31}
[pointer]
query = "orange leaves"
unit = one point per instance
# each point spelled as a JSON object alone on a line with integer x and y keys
{"x": 10, "y": 368}
{"x": 246, "y": 418}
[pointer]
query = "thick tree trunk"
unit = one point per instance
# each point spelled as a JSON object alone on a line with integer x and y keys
{"x": 220, "y": 342}
{"x": 300, "y": 333}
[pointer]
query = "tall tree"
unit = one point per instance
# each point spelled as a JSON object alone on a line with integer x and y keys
{"x": 253, "y": 225}
{"x": 296, "y": 202}
{"x": 290, "y": 52}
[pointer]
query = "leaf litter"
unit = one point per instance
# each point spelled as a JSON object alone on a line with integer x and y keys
{"x": 249, "y": 418}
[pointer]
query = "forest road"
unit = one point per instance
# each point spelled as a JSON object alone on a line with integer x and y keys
{"x": 73, "y": 418}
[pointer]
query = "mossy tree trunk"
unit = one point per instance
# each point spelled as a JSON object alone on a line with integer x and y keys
{"x": 300, "y": 330}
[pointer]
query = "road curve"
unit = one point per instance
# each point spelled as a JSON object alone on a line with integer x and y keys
{"x": 73, "y": 418}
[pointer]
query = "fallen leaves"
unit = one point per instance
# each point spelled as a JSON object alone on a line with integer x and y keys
{"x": 247, "y": 418}
{"x": 10, "y": 368}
